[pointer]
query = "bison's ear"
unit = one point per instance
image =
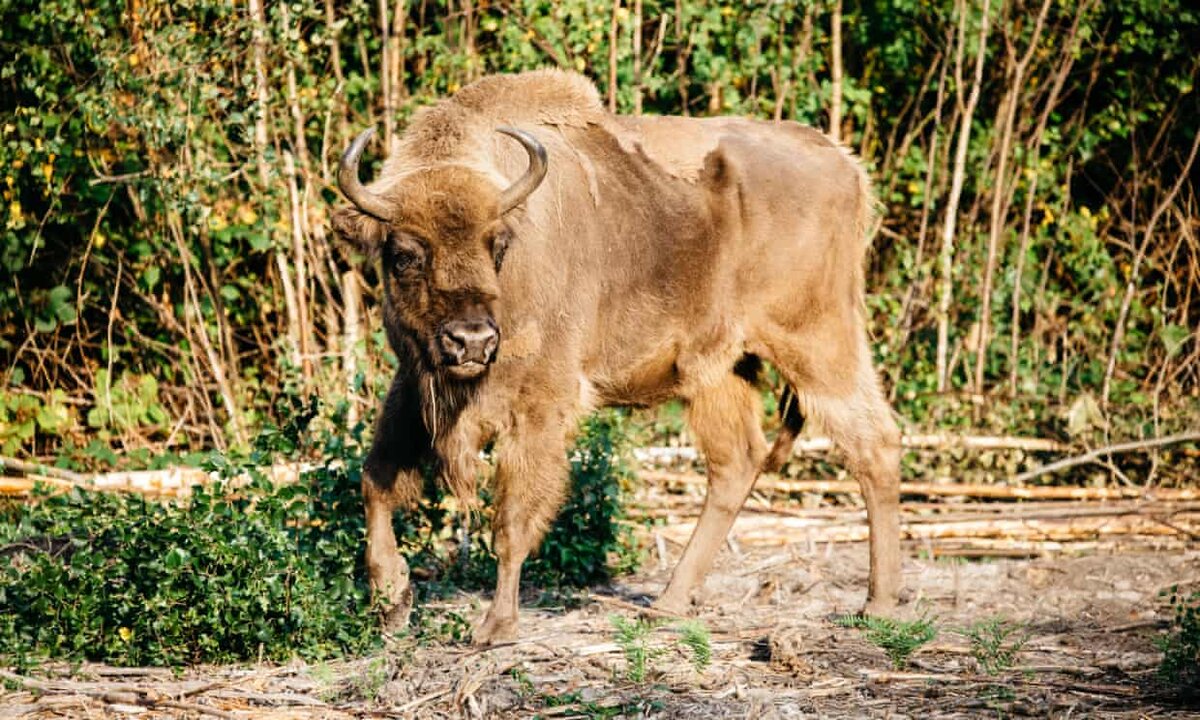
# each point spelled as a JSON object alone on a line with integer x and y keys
{"x": 359, "y": 229}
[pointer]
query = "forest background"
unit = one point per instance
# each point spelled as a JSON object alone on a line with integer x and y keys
{"x": 167, "y": 273}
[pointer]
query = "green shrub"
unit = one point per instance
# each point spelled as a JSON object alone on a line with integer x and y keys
{"x": 256, "y": 571}
{"x": 633, "y": 636}
{"x": 694, "y": 636}
{"x": 1181, "y": 647}
{"x": 138, "y": 582}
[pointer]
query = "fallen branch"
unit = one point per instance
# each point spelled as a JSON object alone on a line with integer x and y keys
{"x": 23, "y": 467}
{"x": 1006, "y": 492}
{"x": 926, "y": 441}
{"x": 767, "y": 530}
{"x": 1098, "y": 453}
{"x": 133, "y": 696}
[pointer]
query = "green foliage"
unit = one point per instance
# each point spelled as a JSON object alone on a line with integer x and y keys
{"x": 995, "y": 643}
{"x": 127, "y": 404}
{"x": 23, "y": 416}
{"x": 142, "y": 223}
{"x": 694, "y": 636}
{"x": 1181, "y": 646}
{"x": 897, "y": 638}
{"x": 255, "y": 570}
{"x": 635, "y": 637}
{"x": 222, "y": 577}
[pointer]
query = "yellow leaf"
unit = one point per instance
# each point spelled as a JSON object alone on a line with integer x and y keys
{"x": 246, "y": 215}
{"x": 125, "y": 633}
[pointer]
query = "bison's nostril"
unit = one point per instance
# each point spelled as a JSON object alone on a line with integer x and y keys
{"x": 469, "y": 341}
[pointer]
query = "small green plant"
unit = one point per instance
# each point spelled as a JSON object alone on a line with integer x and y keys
{"x": 521, "y": 677}
{"x": 694, "y": 636}
{"x": 995, "y": 643}
{"x": 369, "y": 683}
{"x": 322, "y": 674}
{"x": 897, "y": 638}
{"x": 443, "y": 627}
{"x": 634, "y": 638}
{"x": 1181, "y": 646}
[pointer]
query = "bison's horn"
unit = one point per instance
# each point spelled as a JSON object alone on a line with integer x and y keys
{"x": 352, "y": 188}
{"x": 527, "y": 183}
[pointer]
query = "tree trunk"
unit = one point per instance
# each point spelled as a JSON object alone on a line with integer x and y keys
{"x": 949, "y": 226}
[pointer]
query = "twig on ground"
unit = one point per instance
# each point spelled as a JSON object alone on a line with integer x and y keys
{"x": 1098, "y": 453}
{"x": 137, "y": 696}
{"x": 626, "y": 605}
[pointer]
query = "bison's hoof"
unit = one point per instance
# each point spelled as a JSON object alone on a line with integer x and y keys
{"x": 495, "y": 630}
{"x": 880, "y": 607}
{"x": 673, "y": 605}
{"x": 394, "y": 619}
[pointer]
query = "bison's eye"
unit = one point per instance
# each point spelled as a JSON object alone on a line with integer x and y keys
{"x": 408, "y": 260}
{"x": 406, "y": 254}
{"x": 499, "y": 247}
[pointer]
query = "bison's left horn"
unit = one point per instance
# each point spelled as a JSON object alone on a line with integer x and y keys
{"x": 527, "y": 183}
{"x": 352, "y": 188}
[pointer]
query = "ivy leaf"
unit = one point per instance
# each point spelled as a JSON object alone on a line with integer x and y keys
{"x": 151, "y": 276}
{"x": 1084, "y": 415}
{"x": 1173, "y": 337}
{"x": 60, "y": 304}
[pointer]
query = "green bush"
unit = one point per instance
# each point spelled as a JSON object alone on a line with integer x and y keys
{"x": 1181, "y": 647}
{"x": 255, "y": 571}
{"x": 897, "y": 638}
{"x": 230, "y": 574}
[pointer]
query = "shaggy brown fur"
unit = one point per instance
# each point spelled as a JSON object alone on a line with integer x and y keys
{"x": 659, "y": 258}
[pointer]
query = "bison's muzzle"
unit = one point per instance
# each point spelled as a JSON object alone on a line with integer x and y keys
{"x": 468, "y": 346}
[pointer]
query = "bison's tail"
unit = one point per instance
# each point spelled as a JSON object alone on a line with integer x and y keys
{"x": 793, "y": 422}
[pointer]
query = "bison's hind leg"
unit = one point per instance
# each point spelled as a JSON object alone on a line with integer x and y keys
{"x": 836, "y": 384}
{"x": 725, "y": 419}
{"x": 791, "y": 423}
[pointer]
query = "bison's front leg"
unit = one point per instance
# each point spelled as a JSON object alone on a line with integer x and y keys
{"x": 391, "y": 479}
{"x": 531, "y": 477}
{"x": 386, "y": 567}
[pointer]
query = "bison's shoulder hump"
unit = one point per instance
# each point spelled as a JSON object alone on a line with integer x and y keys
{"x": 550, "y": 97}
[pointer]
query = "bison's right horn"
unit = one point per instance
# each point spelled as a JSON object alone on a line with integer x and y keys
{"x": 352, "y": 188}
{"x": 527, "y": 183}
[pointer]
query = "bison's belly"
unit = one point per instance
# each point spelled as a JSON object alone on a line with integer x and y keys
{"x": 636, "y": 380}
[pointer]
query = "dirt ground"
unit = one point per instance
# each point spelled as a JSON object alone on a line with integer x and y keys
{"x": 1091, "y": 620}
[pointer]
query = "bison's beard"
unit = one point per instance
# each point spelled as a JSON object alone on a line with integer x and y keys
{"x": 441, "y": 396}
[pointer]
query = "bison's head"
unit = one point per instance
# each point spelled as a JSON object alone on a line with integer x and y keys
{"x": 440, "y": 234}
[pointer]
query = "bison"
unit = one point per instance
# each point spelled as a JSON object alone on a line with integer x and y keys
{"x": 541, "y": 257}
